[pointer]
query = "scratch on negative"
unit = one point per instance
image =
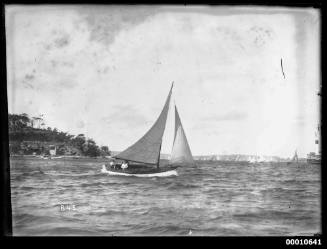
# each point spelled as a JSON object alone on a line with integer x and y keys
{"x": 281, "y": 64}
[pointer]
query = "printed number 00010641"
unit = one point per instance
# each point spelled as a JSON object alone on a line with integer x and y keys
{"x": 303, "y": 242}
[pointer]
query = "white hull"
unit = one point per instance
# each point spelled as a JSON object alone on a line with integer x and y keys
{"x": 160, "y": 174}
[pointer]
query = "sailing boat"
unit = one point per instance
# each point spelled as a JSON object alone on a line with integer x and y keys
{"x": 295, "y": 158}
{"x": 252, "y": 159}
{"x": 144, "y": 155}
{"x": 261, "y": 159}
{"x": 315, "y": 157}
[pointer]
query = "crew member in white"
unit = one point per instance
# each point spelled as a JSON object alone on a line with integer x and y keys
{"x": 124, "y": 165}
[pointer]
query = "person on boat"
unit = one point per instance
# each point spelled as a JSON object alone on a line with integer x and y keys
{"x": 112, "y": 164}
{"x": 124, "y": 165}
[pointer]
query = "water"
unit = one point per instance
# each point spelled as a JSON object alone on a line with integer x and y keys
{"x": 214, "y": 199}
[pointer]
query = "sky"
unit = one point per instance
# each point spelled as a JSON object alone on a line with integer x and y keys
{"x": 106, "y": 71}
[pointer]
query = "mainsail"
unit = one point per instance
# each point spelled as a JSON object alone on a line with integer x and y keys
{"x": 181, "y": 152}
{"x": 147, "y": 149}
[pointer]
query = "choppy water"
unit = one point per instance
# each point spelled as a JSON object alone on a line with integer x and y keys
{"x": 214, "y": 199}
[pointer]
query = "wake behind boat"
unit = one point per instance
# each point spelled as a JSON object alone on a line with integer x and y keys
{"x": 145, "y": 153}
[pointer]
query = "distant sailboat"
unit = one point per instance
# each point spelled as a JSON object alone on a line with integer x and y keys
{"x": 295, "y": 158}
{"x": 261, "y": 159}
{"x": 252, "y": 160}
{"x": 315, "y": 157}
{"x": 145, "y": 153}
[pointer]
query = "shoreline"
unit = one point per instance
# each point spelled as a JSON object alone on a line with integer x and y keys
{"x": 57, "y": 157}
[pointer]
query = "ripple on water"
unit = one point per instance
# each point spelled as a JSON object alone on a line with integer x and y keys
{"x": 214, "y": 199}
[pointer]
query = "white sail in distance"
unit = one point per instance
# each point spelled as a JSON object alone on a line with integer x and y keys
{"x": 295, "y": 157}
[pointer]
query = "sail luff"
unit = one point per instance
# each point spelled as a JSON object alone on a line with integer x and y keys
{"x": 147, "y": 148}
{"x": 177, "y": 122}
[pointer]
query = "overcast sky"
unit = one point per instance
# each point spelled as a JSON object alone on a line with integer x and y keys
{"x": 105, "y": 71}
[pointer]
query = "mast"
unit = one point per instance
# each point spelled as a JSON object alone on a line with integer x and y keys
{"x": 159, "y": 157}
{"x": 158, "y": 161}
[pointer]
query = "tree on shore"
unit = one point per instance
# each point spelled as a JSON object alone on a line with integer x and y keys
{"x": 22, "y": 128}
{"x": 105, "y": 150}
{"x": 91, "y": 149}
